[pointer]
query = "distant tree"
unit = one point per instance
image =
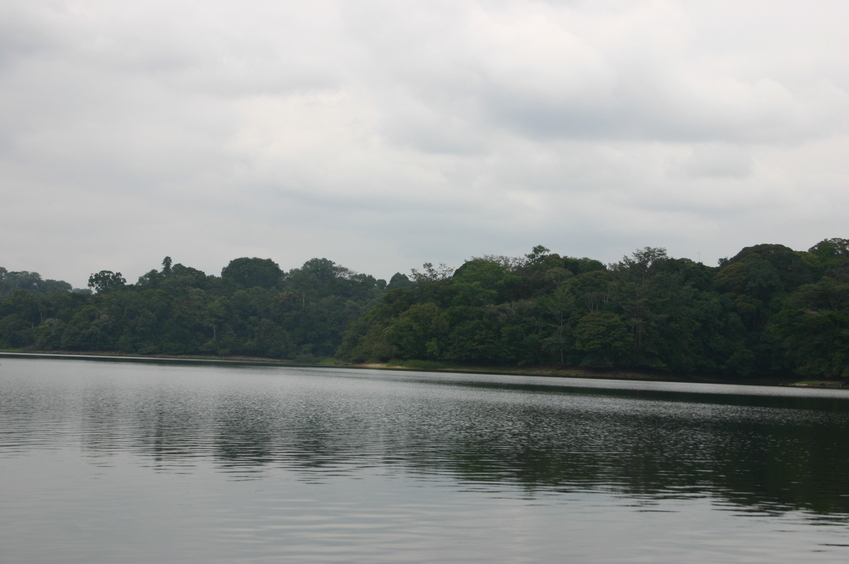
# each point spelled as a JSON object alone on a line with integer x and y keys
{"x": 251, "y": 272}
{"x": 537, "y": 253}
{"x": 51, "y": 286}
{"x": 151, "y": 279}
{"x": 166, "y": 266}
{"x": 830, "y": 256}
{"x": 398, "y": 281}
{"x": 23, "y": 280}
{"x": 814, "y": 326}
{"x": 767, "y": 310}
{"x": 430, "y": 273}
{"x": 831, "y": 248}
{"x": 105, "y": 280}
{"x": 603, "y": 337}
{"x": 31, "y": 281}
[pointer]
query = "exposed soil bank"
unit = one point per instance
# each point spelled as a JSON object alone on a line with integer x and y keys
{"x": 548, "y": 371}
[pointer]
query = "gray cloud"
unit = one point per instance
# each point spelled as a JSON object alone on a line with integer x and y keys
{"x": 383, "y": 134}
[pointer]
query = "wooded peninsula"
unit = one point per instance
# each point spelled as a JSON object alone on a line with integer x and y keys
{"x": 767, "y": 312}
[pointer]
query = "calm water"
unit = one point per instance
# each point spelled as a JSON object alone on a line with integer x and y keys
{"x": 167, "y": 462}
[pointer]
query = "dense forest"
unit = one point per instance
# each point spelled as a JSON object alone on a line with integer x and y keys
{"x": 768, "y": 311}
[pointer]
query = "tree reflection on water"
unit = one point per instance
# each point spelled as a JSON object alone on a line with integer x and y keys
{"x": 763, "y": 453}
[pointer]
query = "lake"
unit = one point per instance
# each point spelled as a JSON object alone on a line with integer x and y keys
{"x": 214, "y": 462}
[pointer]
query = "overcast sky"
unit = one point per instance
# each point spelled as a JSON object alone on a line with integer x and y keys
{"x": 383, "y": 134}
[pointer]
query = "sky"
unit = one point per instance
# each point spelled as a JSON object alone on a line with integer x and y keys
{"x": 385, "y": 134}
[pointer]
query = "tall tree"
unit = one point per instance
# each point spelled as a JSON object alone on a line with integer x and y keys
{"x": 105, "y": 280}
{"x": 247, "y": 273}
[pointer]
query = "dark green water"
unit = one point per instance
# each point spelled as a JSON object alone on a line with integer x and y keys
{"x": 176, "y": 462}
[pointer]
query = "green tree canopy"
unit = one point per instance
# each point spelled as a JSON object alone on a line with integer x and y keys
{"x": 105, "y": 280}
{"x": 251, "y": 272}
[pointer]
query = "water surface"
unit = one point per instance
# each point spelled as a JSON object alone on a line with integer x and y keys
{"x": 143, "y": 462}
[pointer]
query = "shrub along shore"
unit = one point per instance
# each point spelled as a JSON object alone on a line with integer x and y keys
{"x": 769, "y": 314}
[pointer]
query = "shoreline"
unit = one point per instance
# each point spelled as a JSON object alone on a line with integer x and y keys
{"x": 533, "y": 370}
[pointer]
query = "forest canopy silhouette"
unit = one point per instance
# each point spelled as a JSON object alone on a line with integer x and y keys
{"x": 767, "y": 311}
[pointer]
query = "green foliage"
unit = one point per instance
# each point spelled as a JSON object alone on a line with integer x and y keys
{"x": 246, "y": 272}
{"x": 831, "y": 248}
{"x": 399, "y": 281}
{"x": 603, "y": 337}
{"x": 255, "y": 310}
{"x": 31, "y": 281}
{"x": 647, "y": 311}
{"x": 105, "y": 280}
{"x": 814, "y": 327}
{"x": 768, "y": 310}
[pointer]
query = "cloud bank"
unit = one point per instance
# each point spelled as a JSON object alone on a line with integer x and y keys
{"x": 384, "y": 134}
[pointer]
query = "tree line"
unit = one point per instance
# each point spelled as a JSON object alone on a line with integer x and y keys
{"x": 767, "y": 311}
